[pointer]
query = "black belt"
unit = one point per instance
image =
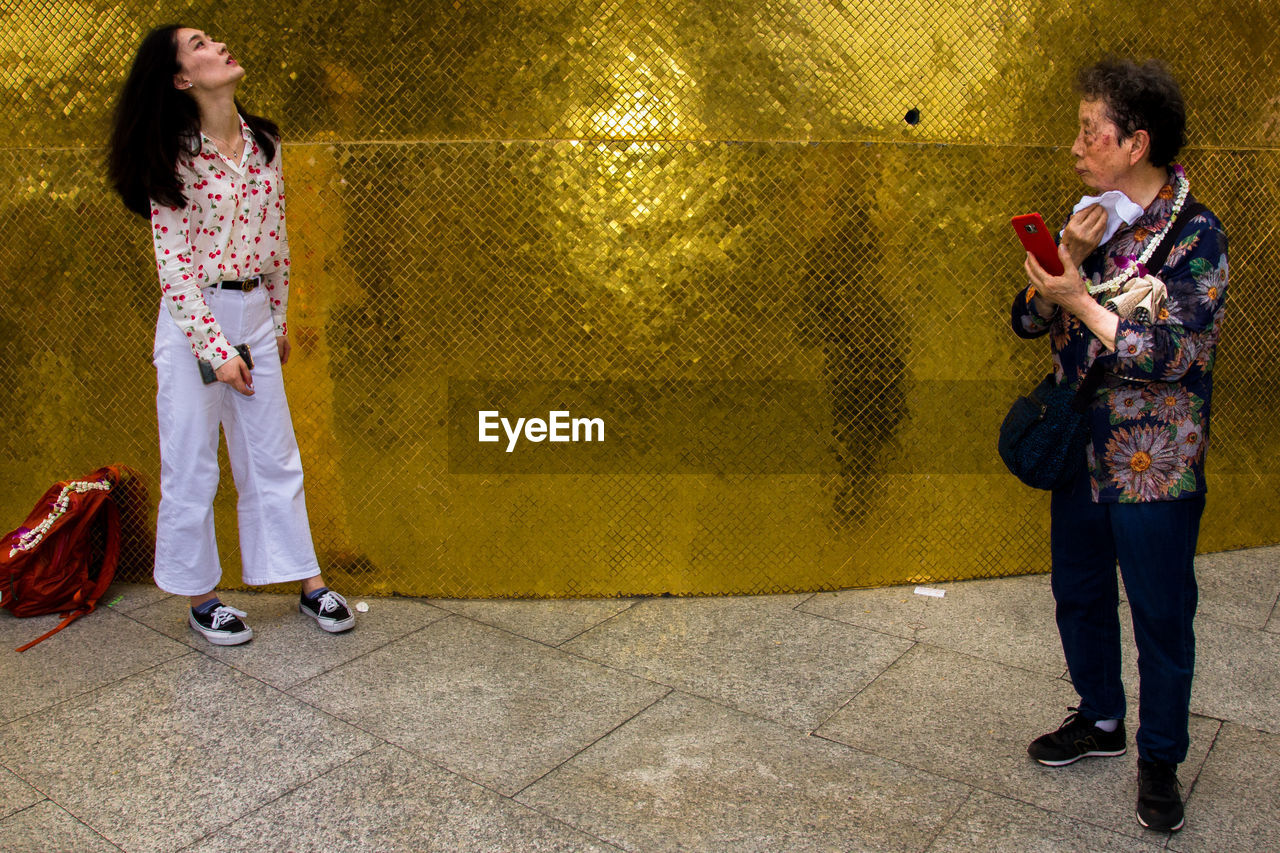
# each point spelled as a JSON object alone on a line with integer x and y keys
{"x": 246, "y": 284}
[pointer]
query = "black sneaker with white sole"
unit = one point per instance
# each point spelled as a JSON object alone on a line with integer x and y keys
{"x": 1075, "y": 739}
{"x": 328, "y": 609}
{"x": 1159, "y": 800}
{"x": 221, "y": 625}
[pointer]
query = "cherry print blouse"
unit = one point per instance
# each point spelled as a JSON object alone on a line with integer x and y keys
{"x": 232, "y": 228}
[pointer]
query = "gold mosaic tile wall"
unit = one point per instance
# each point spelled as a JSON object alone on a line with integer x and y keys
{"x": 765, "y": 242}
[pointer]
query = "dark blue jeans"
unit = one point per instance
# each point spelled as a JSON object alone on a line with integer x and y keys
{"x": 1155, "y": 545}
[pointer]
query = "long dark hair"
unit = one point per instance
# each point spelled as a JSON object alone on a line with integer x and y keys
{"x": 154, "y": 122}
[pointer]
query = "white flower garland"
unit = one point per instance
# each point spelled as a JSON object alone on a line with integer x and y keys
{"x": 1131, "y": 268}
{"x": 32, "y": 537}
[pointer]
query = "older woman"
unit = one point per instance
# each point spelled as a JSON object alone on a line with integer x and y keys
{"x": 1139, "y": 497}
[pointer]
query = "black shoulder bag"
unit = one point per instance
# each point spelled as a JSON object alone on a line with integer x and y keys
{"x": 1043, "y": 437}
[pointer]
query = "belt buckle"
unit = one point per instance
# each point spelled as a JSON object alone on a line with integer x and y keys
{"x": 249, "y": 285}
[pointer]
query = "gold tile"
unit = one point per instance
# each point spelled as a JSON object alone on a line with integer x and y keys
{"x": 709, "y": 224}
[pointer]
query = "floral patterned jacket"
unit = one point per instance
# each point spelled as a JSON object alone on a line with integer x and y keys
{"x": 1150, "y": 420}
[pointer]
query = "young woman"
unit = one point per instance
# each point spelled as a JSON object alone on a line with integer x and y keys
{"x": 207, "y": 173}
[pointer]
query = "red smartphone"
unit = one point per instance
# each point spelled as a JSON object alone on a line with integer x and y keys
{"x": 1038, "y": 240}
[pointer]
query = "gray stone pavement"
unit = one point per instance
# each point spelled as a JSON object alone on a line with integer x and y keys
{"x": 864, "y": 720}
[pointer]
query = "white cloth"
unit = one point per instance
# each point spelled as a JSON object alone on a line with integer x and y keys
{"x": 275, "y": 537}
{"x": 1121, "y": 210}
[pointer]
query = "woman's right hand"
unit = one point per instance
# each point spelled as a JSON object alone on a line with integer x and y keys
{"x": 1084, "y": 232}
{"x": 236, "y": 374}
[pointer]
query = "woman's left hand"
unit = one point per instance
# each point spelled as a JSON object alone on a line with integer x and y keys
{"x": 1066, "y": 290}
{"x": 1070, "y": 292}
{"x": 283, "y": 347}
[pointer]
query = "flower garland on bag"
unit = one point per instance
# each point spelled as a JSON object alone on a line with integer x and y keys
{"x": 31, "y": 538}
{"x": 1138, "y": 266}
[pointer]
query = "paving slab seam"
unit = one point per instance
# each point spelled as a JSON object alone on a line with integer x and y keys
{"x": 915, "y": 626}
{"x": 969, "y": 788}
{"x": 252, "y": 677}
{"x": 713, "y": 699}
{"x": 287, "y": 694}
{"x": 634, "y": 603}
{"x": 1273, "y": 618}
{"x": 802, "y": 602}
{"x": 345, "y": 662}
{"x": 586, "y": 747}
{"x": 858, "y": 692}
{"x": 510, "y": 798}
{"x": 1074, "y": 820}
{"x": 69, "y": 812}
{"x": 747, "y": 713}
{"x": 1201, "y": 619}
{"x": 260, "y": 806}
{"x": 573, "y": 654}
{"x": 463, "y": 776}
{"x": 351, "y": 723}
{"x": 139, "y": 605}
{"x": 28, "y": 783}
{"x": 556, "y": 646}
{"x": 92, "y": 829}
{"x": 453, "y": 771}
{"x": 972, "y": 656}
{"x": 203, "y": 646}
{"x": 610, "y": 844}
{"x": 44, "y": 799}
{"x": 1213, "y": 741}
{"x": 972, "y": 786}
{"x": 102, "y": 686}
{"x": 946, "y": 822}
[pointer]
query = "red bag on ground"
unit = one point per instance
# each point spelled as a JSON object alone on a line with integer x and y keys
{"x": 62, "y": 559}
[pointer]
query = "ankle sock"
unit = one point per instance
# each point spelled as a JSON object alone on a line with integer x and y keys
{"x": 1107, "y": 725}
{"x": 315, "y": 596}
{"x": 205, "y": 608}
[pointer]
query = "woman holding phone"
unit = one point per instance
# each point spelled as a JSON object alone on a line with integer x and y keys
{"x": 207, "y": 174}
{"x": 1153, "y": 326}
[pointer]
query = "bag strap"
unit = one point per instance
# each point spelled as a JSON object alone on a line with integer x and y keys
{"x": 105, "y": 511}
{"x": 1093, "y": 377}
{"x": 1161, "y": 254}
{"x": 1089, "y": 386}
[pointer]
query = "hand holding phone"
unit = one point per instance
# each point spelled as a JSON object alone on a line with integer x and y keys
{"x": 1038, "y": 241}
{"x": 209, "y": 376}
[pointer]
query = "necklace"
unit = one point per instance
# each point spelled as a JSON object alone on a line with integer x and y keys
{"x": 223, "y": 146}
{"x": 1129, "y": 267}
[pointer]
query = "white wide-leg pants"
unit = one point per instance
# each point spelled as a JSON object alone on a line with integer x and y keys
{"x": 275, "y": 537}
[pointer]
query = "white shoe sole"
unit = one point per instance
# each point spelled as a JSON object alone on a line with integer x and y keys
{"x": 331, "y": 625}
{"x": 1094, "y": 754}
{"x": 220, "y": 638}
{"x": 1146, "y": 825}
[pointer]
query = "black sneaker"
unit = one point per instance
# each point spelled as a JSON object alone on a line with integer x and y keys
{"x": 328, "y": 609}
{"x": 1159, "y": 800}
{"x": 1075, "y": 739}
{"x": 221, "y": 625}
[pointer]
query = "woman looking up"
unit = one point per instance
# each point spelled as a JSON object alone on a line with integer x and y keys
{"x": 184, "y": 153}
